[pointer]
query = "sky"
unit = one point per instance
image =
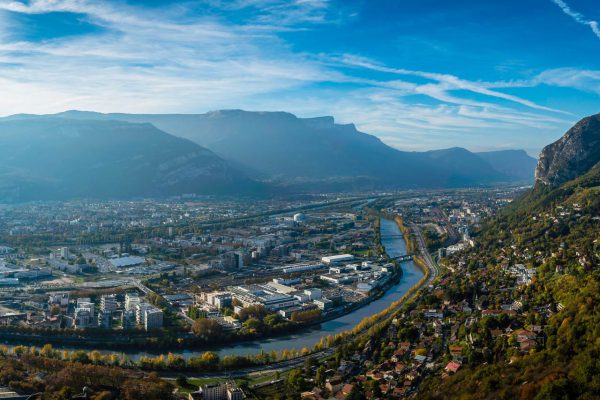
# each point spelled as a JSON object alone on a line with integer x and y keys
{"x": 427, "y": 74}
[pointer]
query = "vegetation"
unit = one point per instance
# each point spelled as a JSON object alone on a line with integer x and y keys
{"x": 555, "y": 231}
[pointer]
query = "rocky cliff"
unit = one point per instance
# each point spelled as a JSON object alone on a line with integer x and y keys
{"x": 572, "y": 155}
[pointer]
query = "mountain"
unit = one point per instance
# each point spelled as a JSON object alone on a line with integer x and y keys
{"x": 516, "y": 164}
{"x": 554, "y": 230}
{"x": 60, "y": 158}
{"x": 317, "y": 151}
{"x": 572, "y": 155}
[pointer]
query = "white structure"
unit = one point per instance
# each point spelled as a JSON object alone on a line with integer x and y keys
{"x": 129, "y": 261}
{"x": 140, "y": 313}
{"x": 221, "y": 391}
{"x": 219, "y": 299}
{"x": 83, "y": 318}
{"x": 214, "y": 391}
{"x": 131, "y": 301}
{"x": 300, "y": 217}
{"x": 59, "y": 299}
{"x": 290, "y": 269}
{"x": 323, "y": 304}
{"x": 153, "y": 319}
{"x": 108, "y": 303}
{"x": 64, "y": 252}
{"x": 86, "y": 304}
{"x": 337, "y": 259}
{"x": 314, "y": 293}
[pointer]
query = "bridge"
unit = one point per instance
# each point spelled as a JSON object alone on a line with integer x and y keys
{"x": 406, "y": 257}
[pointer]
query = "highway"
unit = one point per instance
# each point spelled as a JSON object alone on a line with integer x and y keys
{"x": 283, "y": 366}
{"x": 434, "y": 269}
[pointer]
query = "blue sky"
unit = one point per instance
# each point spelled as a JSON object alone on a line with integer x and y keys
{"x": 419, "y": 74}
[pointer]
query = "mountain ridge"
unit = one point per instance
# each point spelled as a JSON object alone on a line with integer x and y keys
{"x": 280, "y": 146}
{"x": 51, "y": 158}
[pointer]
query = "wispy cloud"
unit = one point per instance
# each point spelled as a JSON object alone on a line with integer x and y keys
{"x": 582, "y": 79}
{"x": 579, "y": 18}
{"x": 176, "y": 59}
{"x": 445, "y": 83}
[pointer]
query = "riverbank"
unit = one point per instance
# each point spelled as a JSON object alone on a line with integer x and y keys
{"x": 288, "y": 350}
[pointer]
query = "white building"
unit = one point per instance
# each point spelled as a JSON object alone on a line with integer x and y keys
{"x": 140, "y": 312}
{"x": 337, "y": 259}
{"x": 131, "y": 301}
{"x": 153, "y": 319}
{"x": 314, "y": 293}
{"x": 290, "y": 269}
{"x": 108, "y": 303}
{"x": 83, "y": 318}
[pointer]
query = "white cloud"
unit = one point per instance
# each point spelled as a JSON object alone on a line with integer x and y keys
{"x": 581, "y": 79}
{"x": 579, "y": 18}
{"x": 444, "y": 84}
{"x": 169, "y": 59}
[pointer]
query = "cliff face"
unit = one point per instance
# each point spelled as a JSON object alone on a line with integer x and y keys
{"x": 572, "y": 155}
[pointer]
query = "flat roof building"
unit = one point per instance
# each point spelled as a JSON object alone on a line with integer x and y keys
{"x": 337, "y": 259}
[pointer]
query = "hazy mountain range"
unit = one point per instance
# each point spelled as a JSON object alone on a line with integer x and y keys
{"x": 87, "y": 154}
{"x": 58, "y": 158}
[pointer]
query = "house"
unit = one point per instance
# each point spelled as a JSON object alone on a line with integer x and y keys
{"x": 334, "y": 384}
{"x": 452, "y": 367}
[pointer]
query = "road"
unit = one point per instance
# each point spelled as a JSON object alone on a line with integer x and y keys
{"x": 283, "y": 366}
{"x": 434, "y": 269}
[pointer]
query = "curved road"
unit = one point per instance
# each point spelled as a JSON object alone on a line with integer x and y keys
{"x": 282, "y": 366}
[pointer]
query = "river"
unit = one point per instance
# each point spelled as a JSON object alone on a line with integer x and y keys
{"x": 393, "y": 242}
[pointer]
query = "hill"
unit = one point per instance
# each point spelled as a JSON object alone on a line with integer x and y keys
{"x": 516, "y": 164}
{"x": 51, "y": 158}
{"x": 309, "y": 152}
{"x": 553, "y": 229}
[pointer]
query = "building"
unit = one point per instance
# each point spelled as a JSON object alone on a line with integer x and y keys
{"x": 64, "y": 252}
{"x": 218, "y": 391}
{"x": 153, "y": 319}
{"x": 291, "y": 269}
{"x": 105, "y": 320}
{"x": 219, "y": 299}
{"x": 86, "y": 304}
{"x": 314, "y": 293}
{"x": 337, "y": 259}
{"x": 234, "y": 393}
{"x": 128, "y": 319}
{"x": 59, "y": 299}
{"x": 126, "y": 262}
{"x": 83, "y": 318}
{"x": 131, "y": 301}
{"x": 108, "y": 303}
{"x": 214, "y": 391}
{"x": 179, "y": 299}
{"x": 299, "y": 217}
{"x": 6, "y": 394}
{"x": 140, "y": 313}
{"x": 324, "y": 304}
{"x": 264, "y": 295}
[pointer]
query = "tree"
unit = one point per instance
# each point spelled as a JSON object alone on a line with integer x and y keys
{"x": 207, "y": 328}
{"x": 295, "y": 382}
{"x": 320, "y": 376}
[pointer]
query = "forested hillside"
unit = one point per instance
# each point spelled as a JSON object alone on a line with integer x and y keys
{"x": 556, "y": 231}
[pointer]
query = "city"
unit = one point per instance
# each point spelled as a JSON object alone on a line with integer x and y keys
{"x": 299, "y": 200}
{"x": 230, "y": 281}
